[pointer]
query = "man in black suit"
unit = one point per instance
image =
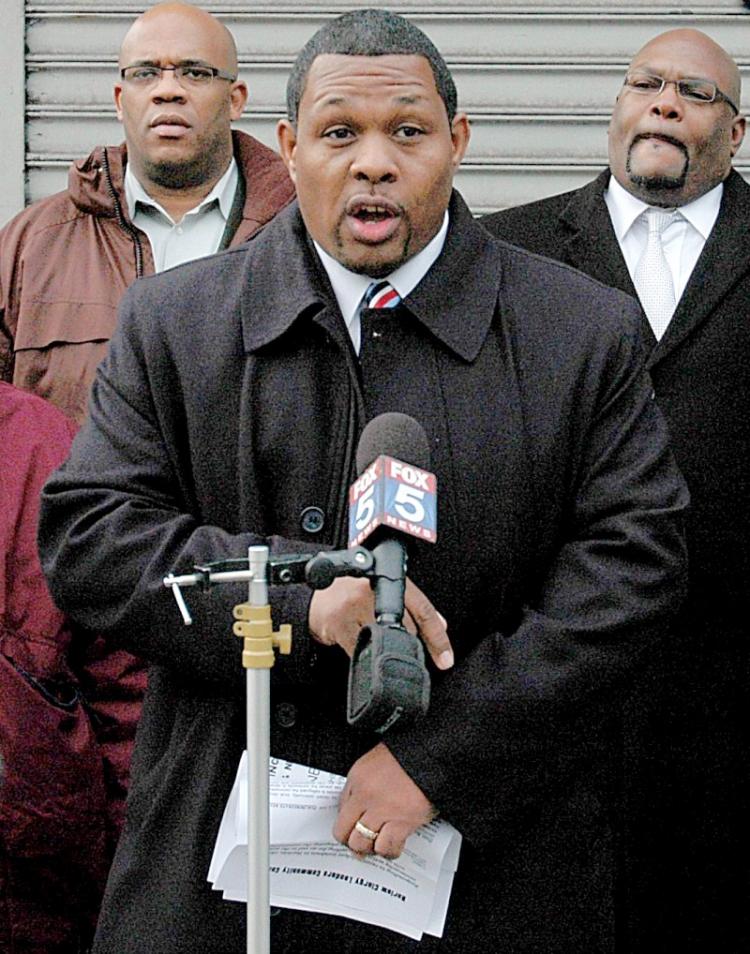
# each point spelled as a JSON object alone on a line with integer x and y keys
{"x": 218, "y": 421}
{"x": 674, "y": 131}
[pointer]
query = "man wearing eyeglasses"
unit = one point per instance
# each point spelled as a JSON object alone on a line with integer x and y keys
{"x": 182, "y": 186}
{"x": 668, "y": 222}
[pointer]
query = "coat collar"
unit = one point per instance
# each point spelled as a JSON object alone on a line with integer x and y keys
{"x": 469, "y": 262}
{"x": 90, "y": 179}
{"x": 96, "y": 184}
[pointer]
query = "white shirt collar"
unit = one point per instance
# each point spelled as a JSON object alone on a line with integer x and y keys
{"x": 625, "y": 208}
{"x": 222, "y": 193}
{"x": 349, "y": 287}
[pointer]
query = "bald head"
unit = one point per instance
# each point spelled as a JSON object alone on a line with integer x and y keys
{"x": 687, "y": 46}
{"x": 155, "y": 24}
{"x": 668, "y": 146}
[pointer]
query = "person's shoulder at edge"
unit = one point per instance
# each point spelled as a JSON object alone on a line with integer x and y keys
{"x": 50, "y": 212}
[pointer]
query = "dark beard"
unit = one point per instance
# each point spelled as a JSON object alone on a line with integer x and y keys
{"x": 653, "y": 185}
{"x": 181, "y": 175}
{"x": 659, "y": 183}
{"x": 370, "y": 268}
{"x": 373, "y": 271}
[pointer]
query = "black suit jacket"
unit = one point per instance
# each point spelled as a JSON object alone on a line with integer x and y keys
{"x": 701, "y": 375}
{"x": 559, "y": 556}
{"x": 700, "y": 371}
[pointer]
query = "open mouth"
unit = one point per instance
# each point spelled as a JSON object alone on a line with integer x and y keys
{"x": 372, "y": 220}
{"x": 373, "y": 213}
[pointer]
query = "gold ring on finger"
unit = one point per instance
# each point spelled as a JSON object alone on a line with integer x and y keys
{"x": 366, "y": 832}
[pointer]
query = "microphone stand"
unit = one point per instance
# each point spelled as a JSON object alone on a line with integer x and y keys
{"x": 253, "y": 625}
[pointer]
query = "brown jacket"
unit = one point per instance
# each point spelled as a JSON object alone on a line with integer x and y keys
{"x": 66, "y": 261}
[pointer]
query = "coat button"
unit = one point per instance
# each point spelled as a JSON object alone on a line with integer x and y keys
{"x": 312, "y": 519}
{"x": 286, "y": 714}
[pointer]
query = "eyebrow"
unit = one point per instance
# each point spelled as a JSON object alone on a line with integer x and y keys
{"x": 179, "y": 63}
{"x": 403, "y": 99}
{"x": 652, "y": 71}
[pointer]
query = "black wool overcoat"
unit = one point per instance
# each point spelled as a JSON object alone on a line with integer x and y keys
{"x": 230, "y": 403}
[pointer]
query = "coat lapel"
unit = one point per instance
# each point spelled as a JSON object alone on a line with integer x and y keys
{"x": 724, "y": 260}
{"x": 270, "y": 307}
{"x": 457, "y": 299}
{"x": 592, "y": 245}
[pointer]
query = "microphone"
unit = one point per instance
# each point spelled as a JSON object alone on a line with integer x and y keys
{"x": 394, "y": 497}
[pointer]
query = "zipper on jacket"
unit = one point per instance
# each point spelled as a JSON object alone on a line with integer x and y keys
{"x": 120, "y": 216}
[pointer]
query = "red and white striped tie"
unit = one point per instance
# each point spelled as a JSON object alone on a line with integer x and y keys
{"x": 380, "y": 295}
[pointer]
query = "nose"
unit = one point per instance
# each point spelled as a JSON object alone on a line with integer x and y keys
{"x": 668, "y": 103}
{"x": 167, "y": 86}
{"x": 374, "y": 159}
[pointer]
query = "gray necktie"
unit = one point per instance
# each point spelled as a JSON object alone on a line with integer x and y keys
{"x": 653, "y": 278}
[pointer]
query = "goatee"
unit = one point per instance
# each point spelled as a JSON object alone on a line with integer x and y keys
{"x": 658, "y": 183}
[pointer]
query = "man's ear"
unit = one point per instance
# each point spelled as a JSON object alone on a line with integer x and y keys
{"x": 238, "y": 98}
{"x": 286, "y": 136}
{"x": 460, "y": 134}
{"x": 738, "y": 133}
{"x": 118, "y": 95}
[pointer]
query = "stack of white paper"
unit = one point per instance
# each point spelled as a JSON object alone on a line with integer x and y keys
{"x": 311, "y": 871}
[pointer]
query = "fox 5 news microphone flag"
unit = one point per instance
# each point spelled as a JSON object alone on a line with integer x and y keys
{"x": 391, "y": 493}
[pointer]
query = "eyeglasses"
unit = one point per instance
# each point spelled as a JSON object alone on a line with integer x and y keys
{"x": 699, "y": 91}
{"x": 186, "y": 74}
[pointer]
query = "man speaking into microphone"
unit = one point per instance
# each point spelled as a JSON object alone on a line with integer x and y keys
{"x": 228, "y": 413}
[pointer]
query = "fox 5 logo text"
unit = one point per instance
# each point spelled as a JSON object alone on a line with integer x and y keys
{"x": 395, "y": 494}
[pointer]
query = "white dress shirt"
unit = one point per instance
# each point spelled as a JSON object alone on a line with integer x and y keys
{"x": 349, "y": 287}
{"x": 198, "y": 233}
{"x": 683, "y": 240}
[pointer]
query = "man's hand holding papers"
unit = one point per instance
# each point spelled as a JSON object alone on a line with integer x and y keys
{"x": 311, "y": 871}
{"x": 380, "y": 795}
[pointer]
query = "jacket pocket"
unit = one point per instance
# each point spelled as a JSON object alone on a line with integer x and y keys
{"x": 60, "y": 693}
{"x": 41, "y": 664}
{"x": 47, "y": 323}
{"x": 58, "y": 348}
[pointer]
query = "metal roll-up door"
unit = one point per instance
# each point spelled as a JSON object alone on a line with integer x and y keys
{"x": 537, "y": 79}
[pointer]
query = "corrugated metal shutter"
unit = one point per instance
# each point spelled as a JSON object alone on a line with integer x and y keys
{"x": 538, "y": 79}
